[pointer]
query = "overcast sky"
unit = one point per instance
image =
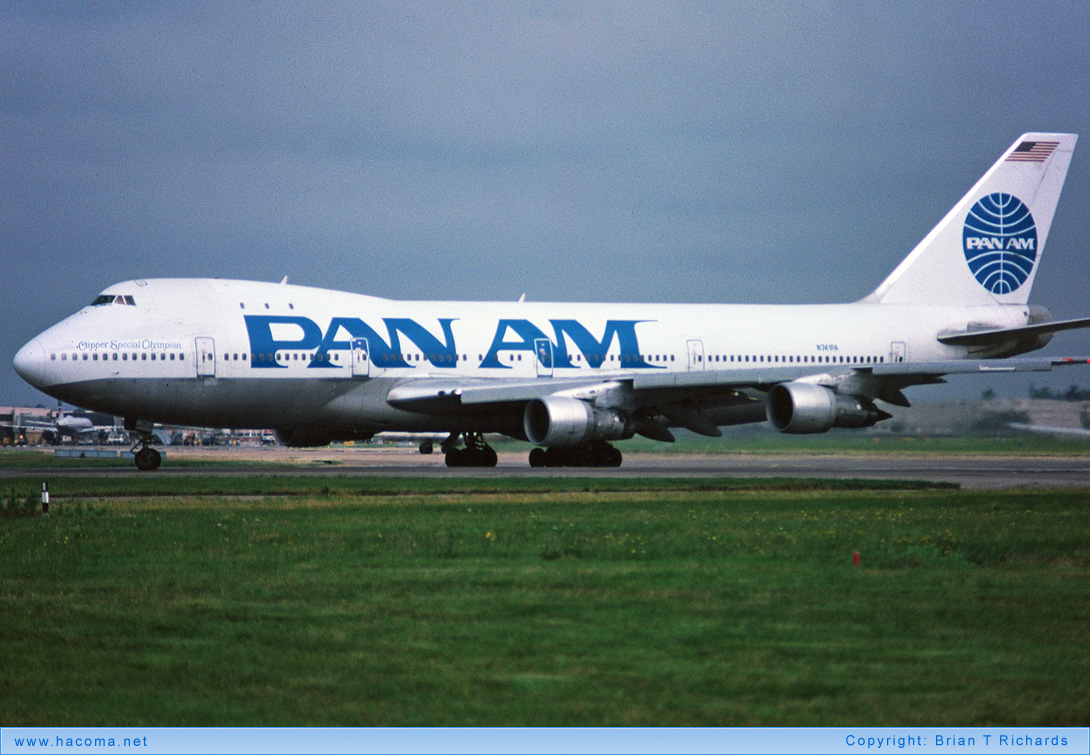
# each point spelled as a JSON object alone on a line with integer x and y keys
{"x": 723, "y": 152}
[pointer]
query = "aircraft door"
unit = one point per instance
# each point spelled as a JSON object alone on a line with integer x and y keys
{"x": 897, "y": 351}
{"x": 696, "y": 355}
{"x": 206, "y": 357}
{"x": 361, "y": 358}
{"x": 543, "y": 348}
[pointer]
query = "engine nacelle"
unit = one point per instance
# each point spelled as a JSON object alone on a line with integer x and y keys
{"x": 807, "y": 408}
{"x": 563, "y": 421}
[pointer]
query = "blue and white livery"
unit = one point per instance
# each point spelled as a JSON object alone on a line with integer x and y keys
{"x": 570, "y": 378}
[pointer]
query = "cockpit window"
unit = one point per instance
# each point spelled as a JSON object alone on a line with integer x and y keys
{"x": 102, "y": 299}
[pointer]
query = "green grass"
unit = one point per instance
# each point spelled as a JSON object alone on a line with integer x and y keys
{"x": 698, "y": 603}
{"x": 163, "y": 484}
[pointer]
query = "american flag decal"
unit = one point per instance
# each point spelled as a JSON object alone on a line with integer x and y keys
{"x": 1031, "y": 152}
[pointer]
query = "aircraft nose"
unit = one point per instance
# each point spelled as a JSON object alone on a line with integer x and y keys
{"x": 30, "y": 363}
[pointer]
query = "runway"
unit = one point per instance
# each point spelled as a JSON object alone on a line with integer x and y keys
{"x": 970, "y": 471}
{"x": 967, "y": 471}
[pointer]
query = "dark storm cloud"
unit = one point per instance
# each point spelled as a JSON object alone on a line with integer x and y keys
{"x": 764, "y": 152}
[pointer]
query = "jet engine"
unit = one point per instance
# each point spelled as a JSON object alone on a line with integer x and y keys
{"x": 563, "y": 421}
{"x": 807, "y": 408}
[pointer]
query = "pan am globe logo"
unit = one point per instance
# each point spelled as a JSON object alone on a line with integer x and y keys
{"x": 1000, "y": 242}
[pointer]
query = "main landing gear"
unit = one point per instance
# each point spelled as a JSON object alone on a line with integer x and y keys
{"x": 147, "y": 459}
{"x": 477, "y": 453}
{"x": 595, "y": 454}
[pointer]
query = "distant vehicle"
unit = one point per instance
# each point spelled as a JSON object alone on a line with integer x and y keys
{"x": 570, "y": 378}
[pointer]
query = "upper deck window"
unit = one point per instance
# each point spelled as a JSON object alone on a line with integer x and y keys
{"x": 102, "y": 299}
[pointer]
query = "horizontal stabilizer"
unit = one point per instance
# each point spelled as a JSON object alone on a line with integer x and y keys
{"x": 989, "y": 337}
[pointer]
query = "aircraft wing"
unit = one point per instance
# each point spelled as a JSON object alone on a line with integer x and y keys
{"x": 688, "y": 399}
{"x": 430, "y": 395}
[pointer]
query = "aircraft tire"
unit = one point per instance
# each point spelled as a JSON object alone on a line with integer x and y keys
{"x": 472, "y": 457}
{"x": 479, "y": 457}
{"x": 603, "y": 455}
{"x": 147, "y": 459}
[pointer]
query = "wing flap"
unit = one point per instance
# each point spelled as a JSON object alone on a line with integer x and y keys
{"x": 969, "y": 366}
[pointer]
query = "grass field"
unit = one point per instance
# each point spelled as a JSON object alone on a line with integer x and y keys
{"x": 533, "y": 602}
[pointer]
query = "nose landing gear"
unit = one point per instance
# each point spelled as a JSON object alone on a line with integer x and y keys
{"x": 147, "y": 459}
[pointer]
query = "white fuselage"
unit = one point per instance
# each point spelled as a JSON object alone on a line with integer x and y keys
{"x": 247, "y": 354}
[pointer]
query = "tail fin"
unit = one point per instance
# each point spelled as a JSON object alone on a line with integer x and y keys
{"x": 985, "y": 251}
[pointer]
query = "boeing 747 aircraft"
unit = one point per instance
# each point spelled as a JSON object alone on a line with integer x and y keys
{"x": 570, "y": 378}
